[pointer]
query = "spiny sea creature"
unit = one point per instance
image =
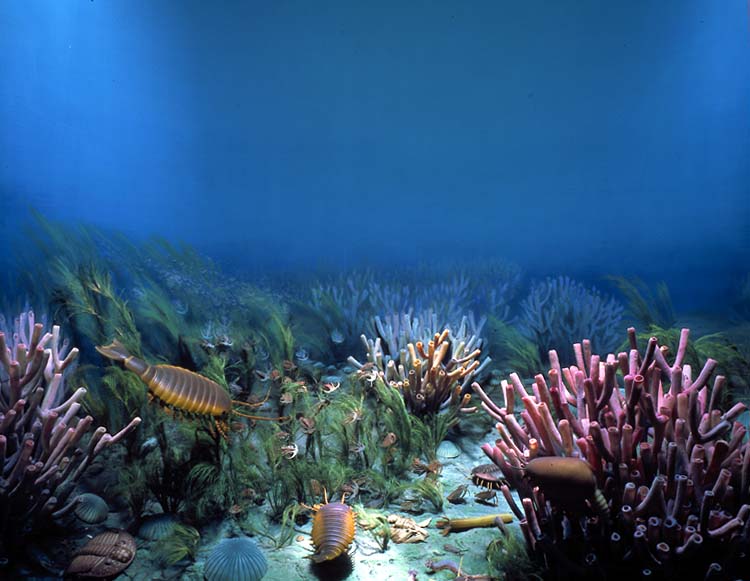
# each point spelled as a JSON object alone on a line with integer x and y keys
{"x": 237, "y": 559}
{"x": 182, "y": 389}
{"x": 332, "y": 530}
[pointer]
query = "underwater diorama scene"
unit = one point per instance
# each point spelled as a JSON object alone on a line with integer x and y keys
{"x": 415, "y": 291}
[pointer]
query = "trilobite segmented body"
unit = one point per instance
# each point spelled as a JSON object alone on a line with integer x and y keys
{"x": 106, "y": 555}
{"x": 175, "y": 386}
{"x": 332, "y": 531}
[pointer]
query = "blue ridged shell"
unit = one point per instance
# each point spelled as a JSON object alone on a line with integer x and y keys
{"x": 157, "y": 527}
{"x": 91, "y": 509}
{"x": 237, "y": 559}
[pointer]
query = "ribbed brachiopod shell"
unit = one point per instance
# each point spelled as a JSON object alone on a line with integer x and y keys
{"x": 237, "y": 559}
{"x": 157, "y": 527}
{"x": 91, "y": 509}
{"x": 105, "y": 555}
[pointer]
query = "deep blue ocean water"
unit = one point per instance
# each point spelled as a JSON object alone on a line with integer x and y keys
{"x": 583, "y": 139}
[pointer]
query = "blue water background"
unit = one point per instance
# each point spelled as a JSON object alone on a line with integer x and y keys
{"x": 582, "y": 138}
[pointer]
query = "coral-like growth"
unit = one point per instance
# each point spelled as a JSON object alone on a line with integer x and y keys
{"x": 397, "y": 330}
{"x": 625, "y": 466}
{"x": 43, "y": 447}
{"x": 349, "y": 304}
{"x": 559, "y": 311}
{"x": 423, "y": 392}
{"x": 429, "y": 380}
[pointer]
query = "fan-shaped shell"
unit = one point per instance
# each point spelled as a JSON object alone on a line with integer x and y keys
{"x": 237, "y": 559}
{"x": 91, "y": 509}
{"x": 157, "y": 527}
{"x": 105, "y": 555}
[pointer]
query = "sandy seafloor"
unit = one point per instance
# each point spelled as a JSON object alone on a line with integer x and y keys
{"x": 367, "y": 562}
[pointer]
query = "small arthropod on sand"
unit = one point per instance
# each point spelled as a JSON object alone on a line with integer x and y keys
{"x": 486, "y": 497}
{"x": 457, "y": 496}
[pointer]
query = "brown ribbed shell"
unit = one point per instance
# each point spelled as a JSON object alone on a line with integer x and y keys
{"x": 332, "y": 531}
{"x": 186, "y": 390}
{"x": 105, "y": 555}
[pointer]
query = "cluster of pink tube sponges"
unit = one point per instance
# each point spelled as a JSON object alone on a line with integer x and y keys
{"x": 45, "y": 444}
{"x": 671, "y": 471}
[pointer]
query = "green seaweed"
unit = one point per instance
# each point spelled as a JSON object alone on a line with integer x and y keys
{"x": 649, "y": 308}
{"x": 511, "y": 351}
{"x": 310, "y": 330}
{"x": 133, "y": 488}
{"x": 182, "y": 543}
{"x": 393, "y": 417}
{"x": 508, "y": 558}
{"x": 288, "y": 522}
{"x": 429, "y": 489}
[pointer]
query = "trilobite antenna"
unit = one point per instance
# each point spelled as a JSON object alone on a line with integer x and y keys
{"x": 253, "y": 405}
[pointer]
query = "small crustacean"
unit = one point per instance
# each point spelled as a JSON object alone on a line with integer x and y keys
{"x": 183, "y": 389}
{"x": 434, "y": 468}
{"x": 457, "y": 496}
{"x": 332, "y": 530}
{"x": 568, "y": 482}
{"x": 488, "y": 497}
